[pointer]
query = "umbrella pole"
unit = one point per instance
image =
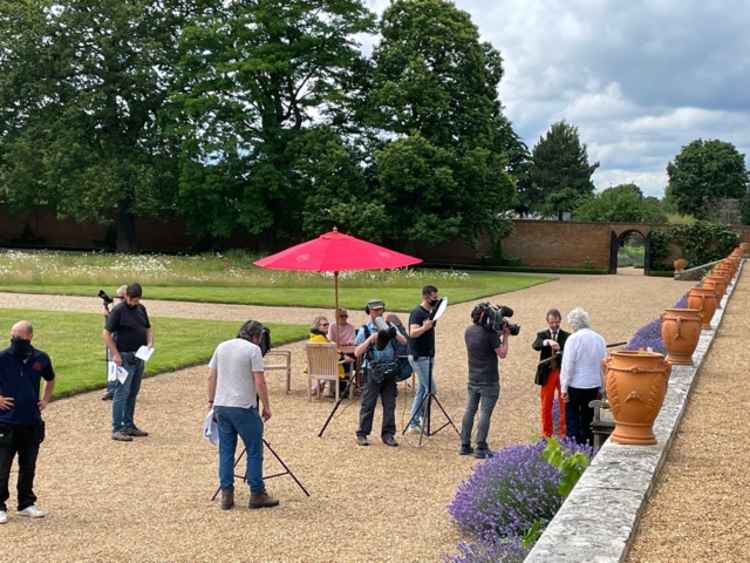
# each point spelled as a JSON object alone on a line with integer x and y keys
{"x": 336, "y": 310}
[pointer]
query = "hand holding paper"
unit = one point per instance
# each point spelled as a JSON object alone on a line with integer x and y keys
{"x": 144, "y": 353}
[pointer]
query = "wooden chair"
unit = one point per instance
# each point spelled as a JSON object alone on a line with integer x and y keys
{"x": 280, "y": 360}
{"x": 322, "y": 364}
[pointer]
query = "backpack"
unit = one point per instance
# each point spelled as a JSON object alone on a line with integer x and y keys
{"x": 400, "y": 372}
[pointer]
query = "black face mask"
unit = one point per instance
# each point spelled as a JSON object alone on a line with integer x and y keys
{"x": 433, "y": 302}
{"x": 20, "y": 346}
{"x": 131, "y": 306}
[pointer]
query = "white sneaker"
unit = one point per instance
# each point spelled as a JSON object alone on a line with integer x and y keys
{"x": 3, "y": 517}
{"x": 32, "y": 512}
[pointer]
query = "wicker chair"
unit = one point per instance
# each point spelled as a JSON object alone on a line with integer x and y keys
{"x": 322, "y": 364}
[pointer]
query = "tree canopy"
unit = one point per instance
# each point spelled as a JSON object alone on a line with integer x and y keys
{"x": 620, "y": 204}
{"x": 703, "y": 172}
{"x": 560, "y": 173}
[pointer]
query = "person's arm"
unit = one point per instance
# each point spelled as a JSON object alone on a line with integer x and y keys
{"x": 361, "y": 348}
{"x": 416, "y": 330}
{"x": 262, "y": 390}
{"x": 49, "y": 388}
{"x": 109, "y": 342}
{"x": 150, "y": 337}
{"x": 539, "y": 342}
{"x": 211, "y": 386}
{"x": 502, "y": 350}
{"x": 565, "y": 369}
{"x": 400, "y": 337}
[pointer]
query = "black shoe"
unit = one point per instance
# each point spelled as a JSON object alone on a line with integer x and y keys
{"x": 108, "y": 396}
{"x": 121, "y": 436}
{"x": 390, "y": 441}
{"x": 262, "y": 500}
{"x": 227, "y": 499}
{"x": 136, "y": 432}
{"x": 362, "y": 440}
{"x": 483, "y": 453}
{"x": 465, "y": 450}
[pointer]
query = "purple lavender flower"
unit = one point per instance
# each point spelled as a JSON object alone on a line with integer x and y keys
{"x": 648, "y": 336}
{"x": 490, "y": 550}
{"x": 682, "y": 303}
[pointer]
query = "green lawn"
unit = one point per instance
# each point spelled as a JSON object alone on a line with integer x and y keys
{"x": 476, "y": 285}
{"x": 73, "y": 341}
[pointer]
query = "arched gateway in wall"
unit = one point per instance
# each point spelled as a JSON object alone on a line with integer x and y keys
{"x": 619, "y": 235}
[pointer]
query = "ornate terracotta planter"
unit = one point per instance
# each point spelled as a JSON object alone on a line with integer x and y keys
{"x": 680, "y": 330}
{"x": 717, "y": 282}
{"x": 636, "y": 385}
{"x": 703, "y": 299}
{"x": 679, "y": 265}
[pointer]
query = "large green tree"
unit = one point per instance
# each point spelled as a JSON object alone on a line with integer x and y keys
{"x": 703, "y": 172}
{"x": 444, "y": 173}
{"x": 560, "y": 173}
{"x": 624, "y": 204}
{"x": 82, "y": 90}
{"x": 266, "y": 100}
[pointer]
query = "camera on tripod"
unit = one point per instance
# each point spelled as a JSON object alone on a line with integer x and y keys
{"x": 386, "y": 332}
{"x": 495, "y": 318}
{"x": 105, "y": 297}
{"x": 265, "y": 340}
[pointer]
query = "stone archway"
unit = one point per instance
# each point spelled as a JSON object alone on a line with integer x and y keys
{"x": 618, "y": 238}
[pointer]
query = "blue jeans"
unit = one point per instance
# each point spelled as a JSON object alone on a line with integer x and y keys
{"x": 483, "y": 397}
{"x": 248, "y": 424}
{"x": 421, "y": 367}
{"x": 123, "y": 403}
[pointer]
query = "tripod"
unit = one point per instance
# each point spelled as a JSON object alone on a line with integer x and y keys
{"x": 286, "y": 471}
{"x": 342, "y": 396}
{"x": 431, "y": 396}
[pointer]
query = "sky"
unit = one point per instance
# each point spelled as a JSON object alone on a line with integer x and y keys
{"x": 640, "y": 79}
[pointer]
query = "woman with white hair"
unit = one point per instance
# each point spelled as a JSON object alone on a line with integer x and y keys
{"x": 581, "y": 376}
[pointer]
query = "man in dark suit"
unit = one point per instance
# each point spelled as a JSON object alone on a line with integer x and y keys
{"x": 550, "y": 344}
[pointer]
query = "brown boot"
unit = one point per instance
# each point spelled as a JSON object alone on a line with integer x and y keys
{"x": 227, "y": 499}
{"x": 262, "y": 500}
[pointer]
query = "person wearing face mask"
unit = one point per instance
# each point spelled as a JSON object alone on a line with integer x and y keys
{"x": 120, "y": 296}
{"x": 129, "y": 320}
{"x": 22, "y": 367}
{"x": 367, "y": 341}
{"x": 422, "y": 353}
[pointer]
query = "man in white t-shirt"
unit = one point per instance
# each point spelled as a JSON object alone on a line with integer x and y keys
{"x": 235, "y": 381}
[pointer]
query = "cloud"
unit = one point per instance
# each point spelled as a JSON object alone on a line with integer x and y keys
{"x": 639, "y": 79}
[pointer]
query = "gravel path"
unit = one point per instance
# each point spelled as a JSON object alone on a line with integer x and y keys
{"x": 700, "y": 510}
{"x": 148, "y": 500}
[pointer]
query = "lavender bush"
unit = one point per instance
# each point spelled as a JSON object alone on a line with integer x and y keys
{"x": 491, "y": 550}
{"x": 649, "y": 335}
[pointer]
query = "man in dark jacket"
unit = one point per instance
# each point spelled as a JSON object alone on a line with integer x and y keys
{"x": 550, "y": 344}
{"x": 22, "y": 367}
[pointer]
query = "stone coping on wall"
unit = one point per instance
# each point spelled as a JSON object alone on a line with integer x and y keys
{"x": 598, "y": 519}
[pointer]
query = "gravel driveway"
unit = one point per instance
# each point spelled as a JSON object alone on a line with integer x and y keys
{"x": 149, "y": 500}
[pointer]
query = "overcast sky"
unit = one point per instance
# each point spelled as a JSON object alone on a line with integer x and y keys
{"x": 640, "y": 79}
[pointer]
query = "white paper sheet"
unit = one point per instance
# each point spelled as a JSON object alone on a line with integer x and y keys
{"x": 144, "y": 353}
{"x": 115, "y": 372}
{"x": 441, "y": 308}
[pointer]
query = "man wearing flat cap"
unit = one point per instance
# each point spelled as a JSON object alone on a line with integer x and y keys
{"x": 375, "y": 341}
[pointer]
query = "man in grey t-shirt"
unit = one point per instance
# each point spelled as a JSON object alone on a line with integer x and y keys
{"x": 235, "y": 380}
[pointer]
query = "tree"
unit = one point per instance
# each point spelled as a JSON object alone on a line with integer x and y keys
{"x": 445, "y": 173}
{"x": 624, "y": 204}
{"x": 703, "y": 172}
{"x": 256, "y": 76}
{"x": 82, "y": 94}
{"x": 560, "y": 173}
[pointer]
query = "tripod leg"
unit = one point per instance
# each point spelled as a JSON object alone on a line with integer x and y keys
{"x": 414, "y": 416}
{"x": 236, "y": 462}
{"x": 336, "y": 406}
{"x": 286, "y": 468}
{"x": 450, "y": 421}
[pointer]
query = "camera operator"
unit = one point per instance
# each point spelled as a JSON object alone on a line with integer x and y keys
{"x": 550, "y": 344}
{"x": 22, "y": 367}
{"x": 374, "y": 341}
{"x": 422, "y": 354}
{"x": 235, "y": 381}
{"x": 581, "y": 375}
{"x": 129, "y": 320}
{"x": 106, "y": 302}
{"x": 486, "y": 341}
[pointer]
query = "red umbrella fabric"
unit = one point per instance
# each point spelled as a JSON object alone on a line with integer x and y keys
{"x": 336, "y": 252}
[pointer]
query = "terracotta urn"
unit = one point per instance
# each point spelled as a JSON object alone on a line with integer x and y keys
{"x": 679, "y": 265}
{"x": 745, "y": 247}
{"x": 680, "y": 330}
{"x": 717, "y": 282}
{"x": 636, "y": 385}
{"x": 703, "y": 299}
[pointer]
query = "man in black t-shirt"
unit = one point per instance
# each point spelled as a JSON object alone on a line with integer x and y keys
{"x": 129, "y": 320}
{"x": 22, "y": 368}
{"x": 422, "y": 353}
{"x": 484, "y": 347}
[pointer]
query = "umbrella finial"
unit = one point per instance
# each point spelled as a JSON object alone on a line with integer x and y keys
{"x": 335, "y": 229}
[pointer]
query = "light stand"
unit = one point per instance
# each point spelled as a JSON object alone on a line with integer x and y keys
{"x": 342, "y": 396}
{"x": 286, "y": 471}
{"x": 426, "y": 424}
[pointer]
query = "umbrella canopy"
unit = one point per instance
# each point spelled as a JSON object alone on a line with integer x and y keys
{"x": 336, "y": 252}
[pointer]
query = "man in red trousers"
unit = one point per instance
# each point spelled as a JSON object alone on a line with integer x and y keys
{"x": 550, "y": 344}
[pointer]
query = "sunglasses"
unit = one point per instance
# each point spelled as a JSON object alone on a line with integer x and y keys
{"x": 343, "y": 316}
